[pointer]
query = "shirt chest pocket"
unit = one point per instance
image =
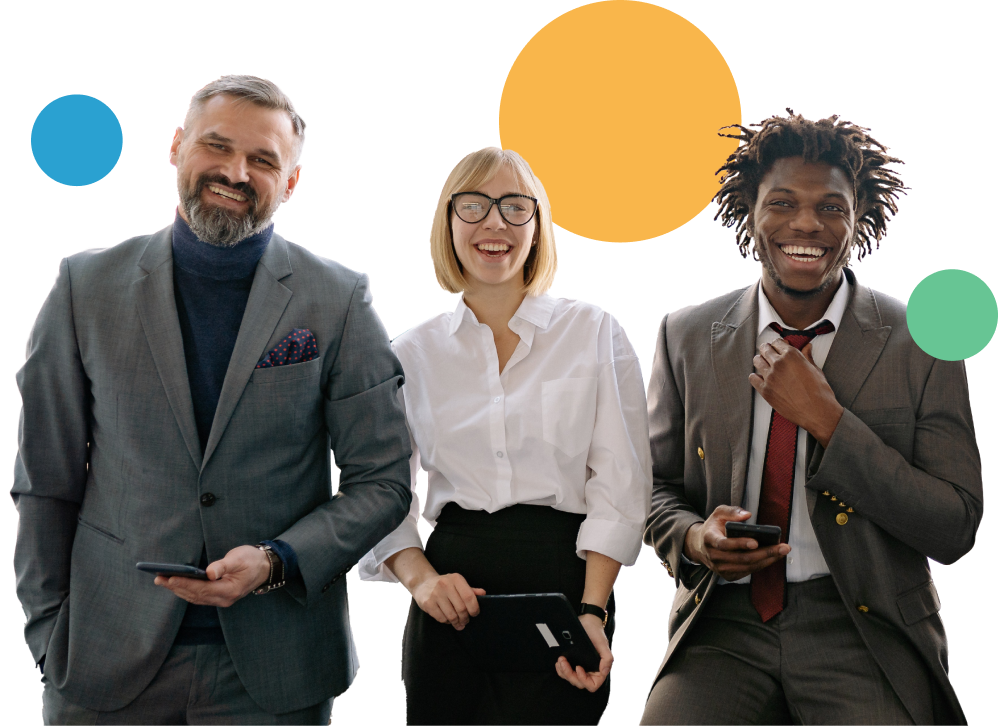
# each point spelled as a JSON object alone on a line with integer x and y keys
{"x": 568, "y": 407}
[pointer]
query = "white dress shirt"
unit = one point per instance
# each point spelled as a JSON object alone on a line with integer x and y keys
{"x": 563, "y": 425}
{"x": 805, "y": 561}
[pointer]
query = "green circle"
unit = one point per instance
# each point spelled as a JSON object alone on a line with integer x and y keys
{"x": 952, "y": 314}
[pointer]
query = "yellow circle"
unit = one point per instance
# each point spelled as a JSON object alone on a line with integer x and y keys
{"x": 616, "y": 106}
{"x": 841, "y": 518}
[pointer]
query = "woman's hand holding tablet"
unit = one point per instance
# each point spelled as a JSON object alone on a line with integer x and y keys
{"x": 446, "y": 598}
{"x": 578, "y": 676}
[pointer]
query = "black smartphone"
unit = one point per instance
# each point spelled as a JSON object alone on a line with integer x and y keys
{"x": 765, "y": 535}
{"x": 167, "y": 570}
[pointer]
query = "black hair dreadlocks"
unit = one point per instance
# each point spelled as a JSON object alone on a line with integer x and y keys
{"x": 839, "y": 143}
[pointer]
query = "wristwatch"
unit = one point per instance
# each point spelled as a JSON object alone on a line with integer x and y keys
{"x": 276, "y": 577}
{"x": 600, "y": 613}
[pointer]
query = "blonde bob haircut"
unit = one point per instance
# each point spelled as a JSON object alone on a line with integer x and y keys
{"x": 470, "y": 174}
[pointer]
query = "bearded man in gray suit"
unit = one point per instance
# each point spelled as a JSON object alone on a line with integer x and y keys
{"x": 181, "y": 393}
{"x": 802, "y": 402}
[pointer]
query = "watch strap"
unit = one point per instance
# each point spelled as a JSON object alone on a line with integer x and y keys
{"x": 600, "y": 613}
{"x": 276, "y": 577}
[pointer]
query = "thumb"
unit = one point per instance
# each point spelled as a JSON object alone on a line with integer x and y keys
{"x": 807, "y": 352}
{"x": 737, "y": 514}
{"x": 216, "y": 570}
{"x": 479, "y": 591}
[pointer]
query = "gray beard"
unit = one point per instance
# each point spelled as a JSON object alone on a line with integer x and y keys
{"x": 216, "y": 225}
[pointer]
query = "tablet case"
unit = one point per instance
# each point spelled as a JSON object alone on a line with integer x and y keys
{"x": 523, "y": 633}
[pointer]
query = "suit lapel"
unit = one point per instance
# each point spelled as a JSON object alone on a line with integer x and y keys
{"x": 733, "y": 346}
{"x": 857, "y": 345}
{"x": 267, "y": 301}
{"x": 856, "y": 348}
{"x": 155, "y": 295}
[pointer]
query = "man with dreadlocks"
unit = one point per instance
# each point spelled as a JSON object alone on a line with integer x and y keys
{"x": 840, "y": 431}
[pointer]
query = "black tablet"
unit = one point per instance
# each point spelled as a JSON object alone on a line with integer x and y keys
{"x": 521, "y": 633}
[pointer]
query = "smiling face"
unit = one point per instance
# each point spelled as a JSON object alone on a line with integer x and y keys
{"x": 493, "y": 252}
{"x": 234, "y": 168}
{"x": 803, "y": 226}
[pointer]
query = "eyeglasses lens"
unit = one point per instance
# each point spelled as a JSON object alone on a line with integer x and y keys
{"x": 474, "y": 208}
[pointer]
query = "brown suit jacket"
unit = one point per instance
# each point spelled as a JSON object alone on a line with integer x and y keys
{"x": 904, "y": 457}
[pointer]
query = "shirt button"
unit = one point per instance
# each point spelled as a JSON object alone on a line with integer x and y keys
{"x": 790, "y": 560}
{"x": 500, "y": 454}
{"x": 207, "y": 500}
{"x": 497, "y": 400}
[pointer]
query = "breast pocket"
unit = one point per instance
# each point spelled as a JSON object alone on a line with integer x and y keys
{"x": 568, "y": 406}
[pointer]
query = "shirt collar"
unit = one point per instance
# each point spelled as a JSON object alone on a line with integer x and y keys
{"x": 535, "y": 309}
{"x": 834, "y": 313}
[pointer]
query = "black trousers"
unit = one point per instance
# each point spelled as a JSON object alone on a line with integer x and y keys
{"x": 520, "y": 549}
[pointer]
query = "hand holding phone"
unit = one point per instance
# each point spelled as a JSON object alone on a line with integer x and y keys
{"x": 710, "y": 544}
{"x": 169, "y": 570}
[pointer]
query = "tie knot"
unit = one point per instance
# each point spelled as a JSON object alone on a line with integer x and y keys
{"x": 800, "y": 338}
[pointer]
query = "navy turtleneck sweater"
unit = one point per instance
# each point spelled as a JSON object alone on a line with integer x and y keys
{"x": 212, "y": 286}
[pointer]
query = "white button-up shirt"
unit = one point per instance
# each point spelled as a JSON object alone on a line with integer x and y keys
{"x": 805, "y": 561}
{"x": 563, "y": 425}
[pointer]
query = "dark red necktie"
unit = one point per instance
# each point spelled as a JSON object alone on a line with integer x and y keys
{"x": 777, "y": 488}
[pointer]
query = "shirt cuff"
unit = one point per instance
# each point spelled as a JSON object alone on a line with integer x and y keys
{"x": 287, "y": 556}
{"x": 612, "y": 539}
{"x": 372, "y": 567}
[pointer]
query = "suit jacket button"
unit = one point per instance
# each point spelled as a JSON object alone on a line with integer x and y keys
{"x": 696, "y": 599}
{"x": 700, "y": 453}
{"x": 863, "y": 608}
{"x": 207, "y": 500}
{"x": 841, "y": 518}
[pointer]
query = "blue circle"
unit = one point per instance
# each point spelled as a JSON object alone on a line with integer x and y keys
{"x": 76, "y": 140}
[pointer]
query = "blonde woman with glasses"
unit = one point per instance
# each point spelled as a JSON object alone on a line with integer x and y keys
{"x": 529, "y": 415}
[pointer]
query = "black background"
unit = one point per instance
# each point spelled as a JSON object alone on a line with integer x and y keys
{"x": 374, "y": 88}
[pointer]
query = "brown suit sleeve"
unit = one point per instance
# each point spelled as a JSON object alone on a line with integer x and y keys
{"x": 671, "y": 514}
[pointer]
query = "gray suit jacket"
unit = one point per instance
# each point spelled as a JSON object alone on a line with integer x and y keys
{"x": 109, "y": 471}
{"x": 904, "y": 457}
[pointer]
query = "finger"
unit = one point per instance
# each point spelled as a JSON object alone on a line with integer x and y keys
{"x": 567, "y": 673}
{"x": 458, "y": 603}
{"x": 757, "y": 382}
{"x": 762, "y": 365}
{"x": 746, "y": 557}
{"x": 726, "y": 513}
{"x": 470, "y": 603}
{"x": 780, "y": 345}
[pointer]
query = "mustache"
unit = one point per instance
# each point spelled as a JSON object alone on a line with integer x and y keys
{"x": 242, "y": 187}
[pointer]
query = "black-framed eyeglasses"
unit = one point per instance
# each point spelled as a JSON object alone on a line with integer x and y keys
{"x": 515, "y": 209}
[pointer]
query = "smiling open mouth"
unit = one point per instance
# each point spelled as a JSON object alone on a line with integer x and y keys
{"x": 220, "y": 191}
{"x": 493, "y": 249}
{"x": 802, "y": 254}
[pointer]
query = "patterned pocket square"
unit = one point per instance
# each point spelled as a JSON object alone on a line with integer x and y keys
{"x": 298, "y": 347}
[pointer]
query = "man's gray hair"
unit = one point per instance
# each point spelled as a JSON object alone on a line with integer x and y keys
{"x": 255, "y": 90}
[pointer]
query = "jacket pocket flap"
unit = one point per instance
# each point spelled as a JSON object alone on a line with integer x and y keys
{"x": 886, "y": 416}
{"x": 919, "y": 603}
